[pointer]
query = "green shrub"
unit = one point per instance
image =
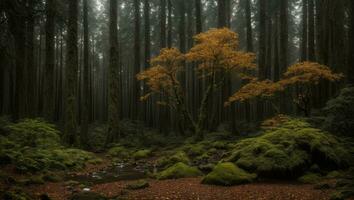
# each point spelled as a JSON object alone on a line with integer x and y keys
{"x": 310, "y": 178}
{"x": 228, "y": 174}
{"x": 34, "y": 133}
{"x": 340, "y": 113}
{"x": 141, "y": 154}
{"x": 97, "y": 138}
{"x": 288, "y": 150}
{"x": 179, "y": 170}
{"x": 119, "y": 152}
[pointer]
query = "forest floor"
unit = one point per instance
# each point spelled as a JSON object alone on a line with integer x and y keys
{"x": 191, "y": 189}
{"x": 183, "y": 189}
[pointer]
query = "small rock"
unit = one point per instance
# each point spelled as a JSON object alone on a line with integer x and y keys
{"x": 86, "y": 189}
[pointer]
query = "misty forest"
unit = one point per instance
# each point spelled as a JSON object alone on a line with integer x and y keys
{"x": 176, "y": 99}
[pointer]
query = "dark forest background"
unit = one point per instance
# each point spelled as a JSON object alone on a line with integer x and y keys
{"x": 75, "y": 62}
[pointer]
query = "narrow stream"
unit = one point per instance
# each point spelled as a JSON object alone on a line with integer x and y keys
{"x": 117, "y": 172}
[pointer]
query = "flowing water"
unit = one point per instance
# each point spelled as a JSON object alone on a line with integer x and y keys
{"x": 117, "y": 172}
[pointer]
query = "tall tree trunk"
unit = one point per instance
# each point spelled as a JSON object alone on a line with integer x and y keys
{"x": 262, "y": 52}
{"x": 147, "y": 48}
{"x": 85, "y": 92}
{"x": 70, "y": 118}
{"x": 136, "y": 67}
{"x": 284, "y": 36}
{"x": 162, "y": 23}
{"x": 311, "y": 31}
{"x": 48, "y": 101}
{"x": 198, "y": 16}
{"x": 222, "y": 14}
{"x": 304, "y": 30}
{"x": 249, "y": 26}
{"x": 32, "y": 75}
{"x": 351, "y": 52}
{"x": 169, "y": 33}
{"x": 113, "y": 80}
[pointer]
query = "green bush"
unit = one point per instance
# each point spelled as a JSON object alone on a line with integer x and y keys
{"x": 289, "y": 150}
{"x": 310, "y": 178}
{"x": 340, "y": 113}
{"x": 228, "y": 174}
{"x": 119, "y": 152}
{"x": 34, "y": 133}
{"x": 179, "y": 170}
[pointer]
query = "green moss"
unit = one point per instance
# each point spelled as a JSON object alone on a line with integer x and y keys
{"x": 141, "y": 154}
{"x": 288, "y": 150}
{"x": 193, "y": 149}
{"x": 137, "y": 185}
{"x": 228, "y": 174}
{"x": 168, "y": 161}
{"x": 34, "y": 133}
{"x": 335, "y": 174}
{"x": 310, "y": 178}
{"x": 179, "y": 170}
{"x": 119, "y": 152}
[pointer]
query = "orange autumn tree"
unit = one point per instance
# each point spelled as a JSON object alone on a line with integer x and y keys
{"x": 301, "y": 76}
{"x": 216, "y": 55}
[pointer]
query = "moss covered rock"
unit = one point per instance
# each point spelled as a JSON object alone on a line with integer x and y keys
{"x": 137, "y": 185}
{"x": 141, "y": 154}
{"x": 119, "y": 152}
{"x": 177, "y": 157}
{"x": 228, "y": 174}
{"x": 179, "y": 170}
{"x": 288, "y": 150}
{"x": 310, "y": 178}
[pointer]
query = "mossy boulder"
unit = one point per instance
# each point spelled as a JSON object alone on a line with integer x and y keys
{"x": 87, "y": 196}
{"x": 137, "y": 185}
{"x": 141, "y": 154}
{"x": 119, "y": 152}
{"x": 289, "y": 150}
{"x": 227, "y": 174}
{"x": 310, "y": 178}
{"x": 179, "y": 170}
{"x": 177, "y": 157}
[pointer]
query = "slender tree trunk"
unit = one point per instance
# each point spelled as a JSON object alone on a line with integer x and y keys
{"x": 147, "y": 49}
{"x": 70, "y": 118}
{"x": 31, "y": 60}
{"x": 162, "y": 23}
{"x": 85, "y": 94}
{"x": 169, "y": 33}
{"x": 249, "y": 26}
{"x": 222, "y": 15}
{"x": 48, "y": 101}
{"x": 351, "y": 52}
{"x": 198, "y": 16}
{"x": 113, "y": 88}
{"x": 311, "y": 31}
{"x": 136, "y": 67}
{"x": 304, "y": 30}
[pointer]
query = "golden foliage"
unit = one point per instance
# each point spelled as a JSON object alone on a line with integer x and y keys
{"x": 255, "y": 89}
{"x": 308, "y": 73}
{"x": 162, "y": 75}
{"x": 304, "y": 73}
{"x": 216, "y": 50}
{"x": 275, "y": 121}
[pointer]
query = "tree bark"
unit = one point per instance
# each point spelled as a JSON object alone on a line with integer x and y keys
{"x": 70, "y": 119}
{"x": 137, "y": 63}
{"x": 85, "y": 94}
{"x": 48, "y": 101}
{"x": 113, "y": 80}
{"x": 198, "y": 16}
{"x": 162, "y": 23}
{"x": 304, "y": 30}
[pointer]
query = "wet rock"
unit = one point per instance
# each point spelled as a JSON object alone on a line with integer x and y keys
{"x": 87, "y": 196}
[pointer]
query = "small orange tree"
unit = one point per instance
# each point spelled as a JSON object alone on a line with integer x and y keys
{"x": 301, "y": 75}
{"x": 216, "y": 55}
